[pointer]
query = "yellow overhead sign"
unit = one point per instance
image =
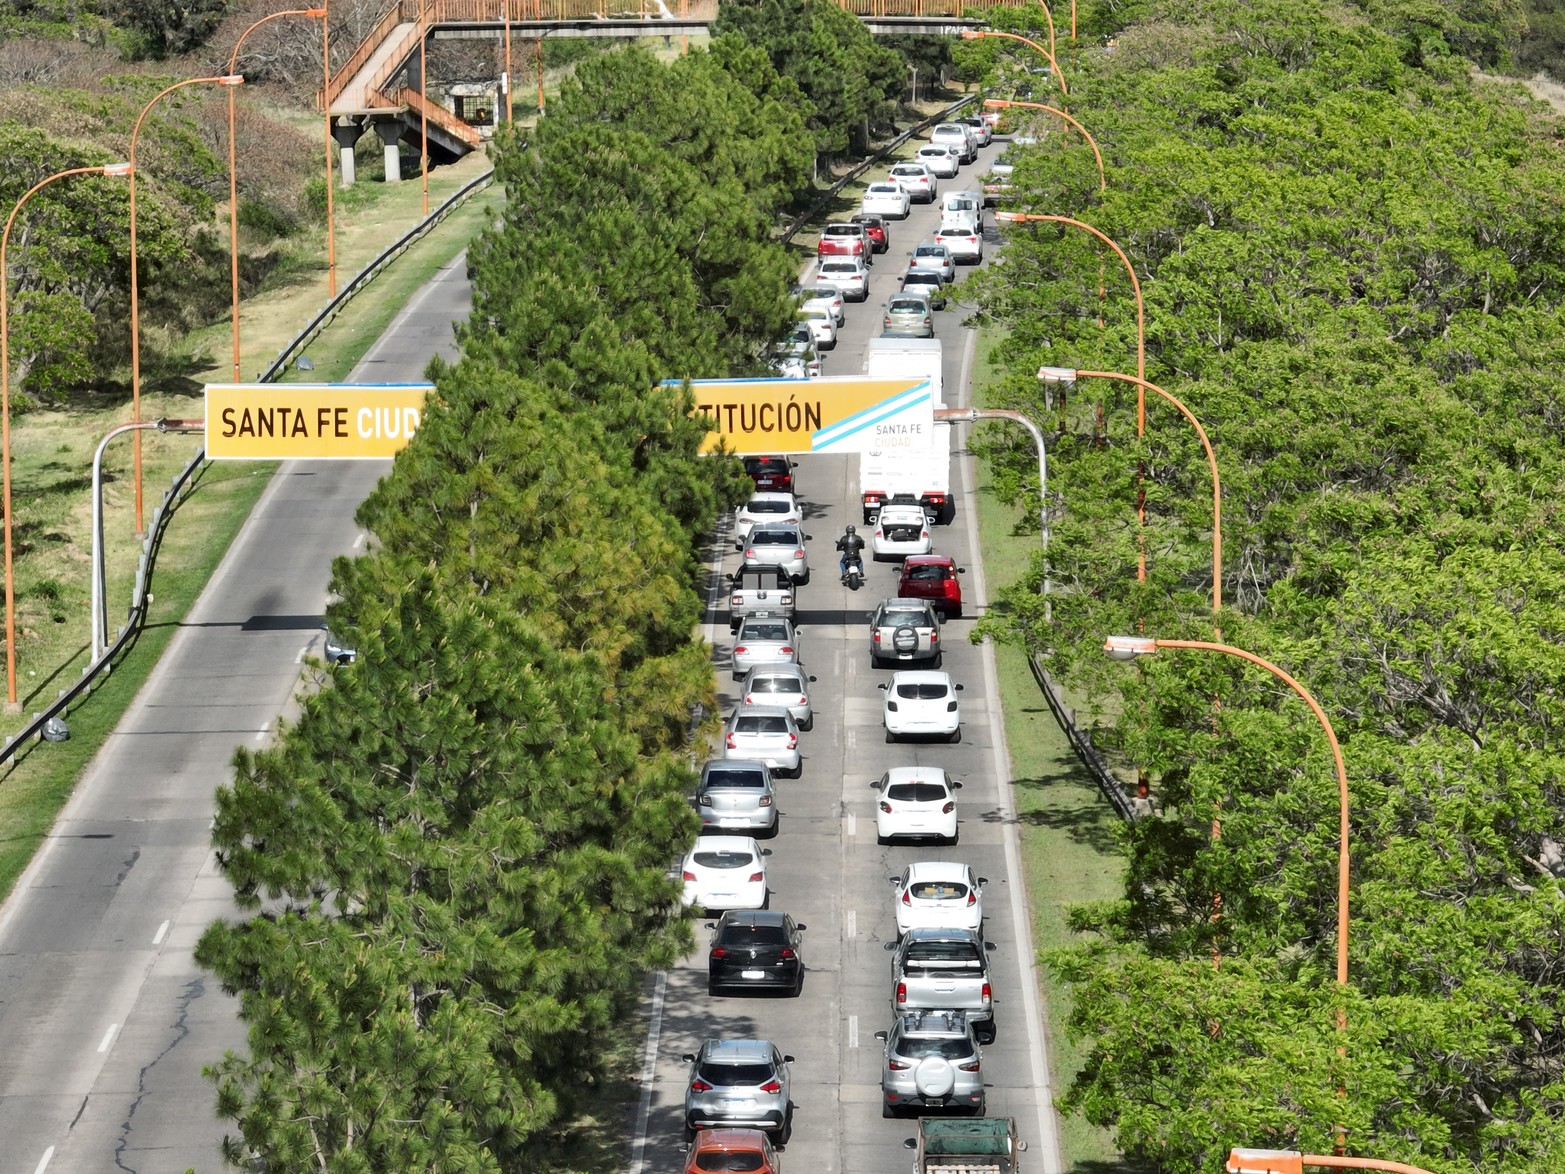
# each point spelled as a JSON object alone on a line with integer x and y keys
{"x": 311, "y": 421}
{"x": 835, "y": 414}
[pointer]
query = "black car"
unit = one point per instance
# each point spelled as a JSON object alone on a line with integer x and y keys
{"x": 757, "y": 949}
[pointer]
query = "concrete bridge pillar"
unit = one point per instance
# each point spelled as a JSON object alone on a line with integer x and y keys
{"x": 346, "y": 132}
{"x": 390, "y": 131}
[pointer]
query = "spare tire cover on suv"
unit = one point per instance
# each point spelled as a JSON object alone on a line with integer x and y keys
{"x": 905, "y": 639}
{"x": 934, "y": 1077}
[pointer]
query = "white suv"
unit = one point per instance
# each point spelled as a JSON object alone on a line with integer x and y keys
{"x": 954, "y": 134}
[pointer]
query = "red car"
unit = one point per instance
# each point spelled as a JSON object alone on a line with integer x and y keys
{"x": 845, "y": 240}
{"x": 932, "y": 577}
{"x": 770, "y": 474}
{"x": 731, "y": 1151}
{"x": 875, "y": 225}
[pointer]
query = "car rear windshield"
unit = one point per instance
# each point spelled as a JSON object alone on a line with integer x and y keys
{"x": 760, "y": 723}
{"x": 927, "y": 278}
{"x": 907, "y": 306}
{"x": 731, "y": 1075}
{"x": 942, "y": 955}
{"x": 930, "y": 251}
{"x": 726, "y": 778}
{"x": 729, "y": 1161}
{"x": 844, "y": 230}
{"x": 938, "y": 890}
{"x": 773, "y": 538}
{"x": 932, "y": 574}
{"x": 724, "y": 858}
{"x": 921, "y": 692}
{"x": 766, "y": 465}
{"x": 754, "y": 935}
{"x": 766, "y": 631}
{"x": 946, "y": 1049}
{"x": 839, "y": 267}
{"x": 916, "y": 792}
{"x": 768, "y": 507}
{"x": 775, "y": 685}
{"x": 911, "y": 619}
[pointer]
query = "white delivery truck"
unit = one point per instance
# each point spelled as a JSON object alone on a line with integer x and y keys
{"x": 906, "y": 466}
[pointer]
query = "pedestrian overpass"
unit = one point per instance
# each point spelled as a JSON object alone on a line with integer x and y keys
{"x": 377, "y": 86}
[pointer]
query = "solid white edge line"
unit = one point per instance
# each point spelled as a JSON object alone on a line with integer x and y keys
{"x": 43, "y": 1162}
{"x": 649, "y": 1067}
{"x": 850, "y": 924}
{"x": 1032, "y": 1007}
{"x": 108, "y": 1037}
{"x": 260, "y": 735}
{"x": 853, "y": 825}
{"x": 157, "y": 938}
{"x": 853, "y": 1031}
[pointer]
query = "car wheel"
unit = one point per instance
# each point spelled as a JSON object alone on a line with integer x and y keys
{"x": 888, "y": 1110}
{"x": 808, "y": 724}
{"x": 954, "y": 612}
{"x": 890, "y": 737}
{"x": 690, "y": 1134}
{"x": 713, "y": 989}
{"x": 939, "y": 659}
{"x": 881, "y": 841}
{"x": 956, "y": 837}
{"x": 956, "y": 736}
{"x": 798, "y": 986}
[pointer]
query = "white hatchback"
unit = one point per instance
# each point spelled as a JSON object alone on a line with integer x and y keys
{"x": 942, "y": 160}
{"x": 764, "y": 733}
{"x": 917, "y": 181}
{"x": 915, "y": 802}
{"x": 943, "y": 894}
{"x": 725, "y": 872}
{"x": 901, "y": 530}
{"x": 847, "y": 274}
{"x": 887, "y": 198}
{"x": 922, "y": 702}
{"x": 966, "y": 245}
{"x": 765, "y": 509}
{"x": 822, "y": 323}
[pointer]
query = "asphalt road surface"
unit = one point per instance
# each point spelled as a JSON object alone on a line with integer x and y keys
{"x": 105, "y": 1019}
{"x": 825, "y": 867}
{"x": 106, "y": 1022}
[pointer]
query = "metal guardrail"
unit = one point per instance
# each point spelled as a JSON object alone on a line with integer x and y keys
{"x": 136, "y": 615}
{"x": 860, "y": 168}
{"x": 1128, "y": 807}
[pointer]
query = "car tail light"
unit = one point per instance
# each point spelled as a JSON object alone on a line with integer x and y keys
{"x": 786, "y": 650}
{"x": 886, "y": 807}
{"x": 704, "y": 801}
{"x": 793, "y": 741}
{"x": 732, "y": 745}
{"x": 804, "y": 698}
{"x": 741, "y": 650}
{"x": 688, "y": 875}
{"x": 765, "y": 801}
{"x": 749, "y": 553}
{"x": 757, "y": 876}
{"x": 907, "y": 897}
{"x": 898, "y": 1065}
{"x": 968, "y": 1067}
{"x": 948, "y": 808}
{"x": 934, "y": 636}
{"x": 891, "y": 707}
{"x": 719, "y": 952}
{"x": 749, "y": 698}
{"x": 875, "y": 636}
{"x": 787, "y": 954}
{"x": 901, "y": 993}
{"x": 925, "y": 534}
{"x": 699, "y": 1085}
{"x": 985, "y": 996}
{"x": 878, "y": 533}
{"x": 887, "y": 323}
{"x": 972, "y": 898}
{"x": 772, "y": 1086}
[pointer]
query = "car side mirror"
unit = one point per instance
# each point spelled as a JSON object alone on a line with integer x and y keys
{"x": 812, "y": 680}
{"x": 958, "y": 688}
{"x": 881, "y": 686}
{"x": 875, "y": 786}
{"x": 961, "y": 570}
{"x": 1021, "y": 1147}
{"x": 982, "y": 881}
{"x": 910, "y": 1143}
{"x": 990, "y": 946}
{"x": 809, "y": 538}
{"x": 768, "y": 852}
{"x": 711, "y": 925}
{"x": 882, "y": 1036}
{"x": 955, "y": 786}
{"x": 889, "y": 946}
{"x": 689, "y": 1057}
{"x": 787, "y": 1059}
{"x": 896, "y": 880}
{"x": 801, "y": 928}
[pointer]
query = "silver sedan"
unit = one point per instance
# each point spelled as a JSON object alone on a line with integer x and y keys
{"x": 763, "y": 640}
{"x": 776, "y": 544}
{"x": 764, "y": 733}
{"x": 780, "y": 684}
{"x": 934, "y": 257}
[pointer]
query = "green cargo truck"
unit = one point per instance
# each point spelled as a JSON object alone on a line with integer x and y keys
{"x": 966, "y": 1145}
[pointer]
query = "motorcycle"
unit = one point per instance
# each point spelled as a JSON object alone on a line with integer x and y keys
{"x": 853, "y": 572}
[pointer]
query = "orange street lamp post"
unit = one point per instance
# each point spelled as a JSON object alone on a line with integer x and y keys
{"x": 1002, "y": 104}
{"x": 1069, "y": 375}
{"x": 331, "y": 219}
{"x": 233, "y": 181}
{"x": 116, "y": 169}
{"x": 231, "y": 79}
{"x": 1130, "y": 647}
{"x": 985, "y": 34}
{"x": 1244, "y": 1161}
{"x": 1141, "y": 350}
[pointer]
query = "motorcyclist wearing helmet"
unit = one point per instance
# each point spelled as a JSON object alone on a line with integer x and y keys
{"x": 850, "y": 544}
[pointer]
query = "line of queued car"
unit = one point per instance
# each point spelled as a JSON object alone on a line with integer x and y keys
{"x": 737, "y": 1108}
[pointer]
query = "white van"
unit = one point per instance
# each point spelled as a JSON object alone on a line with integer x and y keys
{"x": 962, "y": 210}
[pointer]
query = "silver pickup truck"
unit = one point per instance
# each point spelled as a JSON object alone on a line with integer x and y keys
{"x": 759, "y": 591}
{"x": 944, "y": 969}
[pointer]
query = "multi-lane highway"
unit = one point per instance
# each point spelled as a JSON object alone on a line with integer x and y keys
{"x": 825, "y": 867}
{"x": 105, "y": 1019}
{"x": 106, "y": 1022}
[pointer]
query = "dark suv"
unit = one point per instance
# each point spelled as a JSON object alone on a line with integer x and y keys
{"x": 770, "y": 474}
{"x": 755, "y": 949}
